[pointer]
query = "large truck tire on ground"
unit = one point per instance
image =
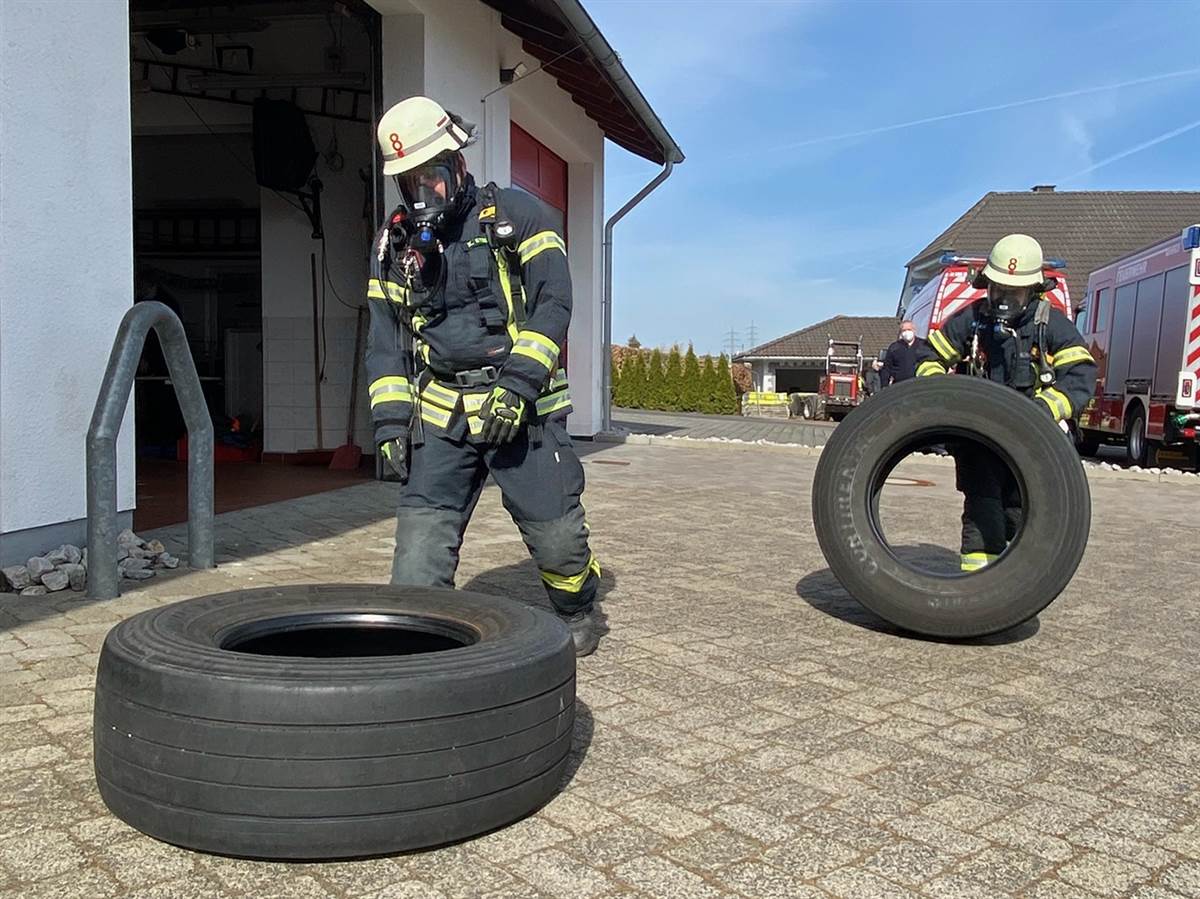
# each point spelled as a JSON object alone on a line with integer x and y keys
{"x": 332, "y": 721}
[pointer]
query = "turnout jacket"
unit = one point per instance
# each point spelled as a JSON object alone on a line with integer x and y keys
{"x": 1017, "y": 356}
{"x": 458, "y": 316}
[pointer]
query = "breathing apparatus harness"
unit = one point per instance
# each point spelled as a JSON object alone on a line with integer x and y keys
{"x": 412, "y": 238}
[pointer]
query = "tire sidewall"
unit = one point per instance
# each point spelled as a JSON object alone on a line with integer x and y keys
{"x": 1040, "y": 562}
{"x": 169, "y": 657}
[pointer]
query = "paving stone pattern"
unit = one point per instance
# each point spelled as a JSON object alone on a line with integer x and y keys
{"x": 744, "y": 730}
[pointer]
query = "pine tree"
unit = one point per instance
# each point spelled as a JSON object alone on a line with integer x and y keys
{"x": 655, "y": 388}
{"x": 673, "y": 381}
{"x": 709, "y": 387}
{"x": 636, "y": 378}
{"x": 690, "y": 391}
{"x": 727, "y": 399}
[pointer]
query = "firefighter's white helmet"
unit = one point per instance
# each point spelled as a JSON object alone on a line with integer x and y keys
{"x": 416, "y": 130}
{"x": 1016, "y": 261}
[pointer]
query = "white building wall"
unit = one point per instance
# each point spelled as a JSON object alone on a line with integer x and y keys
{"x": 464, "y": 47}
{"x": 66, "y": 260}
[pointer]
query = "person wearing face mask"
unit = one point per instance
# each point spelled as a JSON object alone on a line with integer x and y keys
{"x": 900, "y": 361}
{"x": 1016, "y": 337}
{"x": 470, "y": 300}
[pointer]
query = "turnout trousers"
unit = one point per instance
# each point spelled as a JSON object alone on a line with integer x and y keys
{"x": 540, "y": 484}
{"x": 992, "y": 510}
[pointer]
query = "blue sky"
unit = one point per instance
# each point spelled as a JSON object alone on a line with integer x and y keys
{"x": 775, "y": 220}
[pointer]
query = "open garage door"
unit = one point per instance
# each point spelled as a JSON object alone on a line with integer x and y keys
{"x": 255, "y": 198}
{"x": 798, "y": 380}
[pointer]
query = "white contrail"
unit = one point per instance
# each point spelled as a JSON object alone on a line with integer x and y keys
{"x": 1144, "y": 145}
{"x": 1014, "y": 104}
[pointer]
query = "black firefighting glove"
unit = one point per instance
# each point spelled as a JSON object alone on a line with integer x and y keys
{"x": 501, "y": 414}
{"x": 395, "y": 459}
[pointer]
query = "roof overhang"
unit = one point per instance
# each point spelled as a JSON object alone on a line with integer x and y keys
{"x": 563, "y": 37}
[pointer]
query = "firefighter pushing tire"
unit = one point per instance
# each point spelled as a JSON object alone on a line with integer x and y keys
{"x": 330, "y": 721}
{"x": 1039, "y": 562}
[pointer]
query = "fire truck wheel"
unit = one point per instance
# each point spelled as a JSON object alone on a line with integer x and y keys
{"x": 332, "y": 721}
{"x": 1139, "y": 449}
{"x": 1039, "y": 562}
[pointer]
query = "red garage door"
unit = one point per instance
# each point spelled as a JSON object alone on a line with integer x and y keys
{"x": 538, "y": 171}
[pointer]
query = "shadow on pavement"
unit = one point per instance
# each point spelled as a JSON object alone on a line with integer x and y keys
{"x": 822, "y": 590}
{"x": 521, "y": 581}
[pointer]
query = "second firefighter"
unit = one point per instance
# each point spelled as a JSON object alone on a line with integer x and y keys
{"x": 1014, "y": 336}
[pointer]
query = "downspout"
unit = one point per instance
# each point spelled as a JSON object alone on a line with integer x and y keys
{"x": 585, "y": 29}
{"x": 606, "y": 299}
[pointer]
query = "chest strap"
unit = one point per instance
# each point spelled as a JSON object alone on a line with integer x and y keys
{"x": 482, "y": 282}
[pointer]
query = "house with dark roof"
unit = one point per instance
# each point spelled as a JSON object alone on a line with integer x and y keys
{"x": 795, "y": 362}
{"x": 1085, "y": 228}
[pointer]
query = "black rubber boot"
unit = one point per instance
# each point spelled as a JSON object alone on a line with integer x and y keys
{"x": 584, "y": 632}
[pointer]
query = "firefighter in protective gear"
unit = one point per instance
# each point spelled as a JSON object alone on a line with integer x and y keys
{"x": 470, "y": 299}
{"x": 1016, "y": 337}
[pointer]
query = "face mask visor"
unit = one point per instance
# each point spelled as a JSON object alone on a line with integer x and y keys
{"x": 1006, "y": 303}
{"x": 429, "y": 189}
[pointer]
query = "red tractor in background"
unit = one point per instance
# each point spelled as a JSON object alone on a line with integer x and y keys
{"x": 841, "y": 388}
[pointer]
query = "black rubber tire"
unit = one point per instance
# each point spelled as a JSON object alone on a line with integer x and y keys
{"x": 1135, "y": 438}
{"x": 286, "y": 757}
{"x": 1039, "y": 563}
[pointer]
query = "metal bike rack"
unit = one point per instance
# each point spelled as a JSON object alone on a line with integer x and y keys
{"x": 102, "y": 575}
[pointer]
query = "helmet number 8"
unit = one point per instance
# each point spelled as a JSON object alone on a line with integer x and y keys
{"x": 396, "y": 145}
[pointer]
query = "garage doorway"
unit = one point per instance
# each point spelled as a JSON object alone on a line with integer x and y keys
{"x": 255, "y": 196}
{"x": 798, "y": 380}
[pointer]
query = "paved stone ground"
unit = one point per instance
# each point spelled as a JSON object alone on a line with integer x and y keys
{"x": 745, "y": 729}
{"x": 690, "y": 424}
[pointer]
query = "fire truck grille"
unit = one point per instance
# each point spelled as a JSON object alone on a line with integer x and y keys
{"x": 841, "y": 388}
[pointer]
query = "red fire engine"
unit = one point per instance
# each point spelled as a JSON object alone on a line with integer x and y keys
{"x": 951, "y": 291}
{"x": 1142, "y": 323}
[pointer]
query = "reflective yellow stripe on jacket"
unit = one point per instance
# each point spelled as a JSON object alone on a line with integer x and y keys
{"x": 556, "y": 396}
{"x": 929, "y": 367}
{"x": 387, "y": 290}
{"x": 390, "y": 389}
{"x": 439, "y": 403}
{"x": 943, "y": 347}
{"x": 538, "y": 347}
{"x": 1072, "y": 355}
{"x": 540, "y": 243}
{"x": 1058, "y": 402}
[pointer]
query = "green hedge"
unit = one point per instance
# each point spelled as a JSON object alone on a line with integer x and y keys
{"x": 680, "y": 383}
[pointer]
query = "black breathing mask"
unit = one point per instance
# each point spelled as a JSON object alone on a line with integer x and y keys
{"x": 1004, "y": 304}
{"x": 436, "y": 197}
